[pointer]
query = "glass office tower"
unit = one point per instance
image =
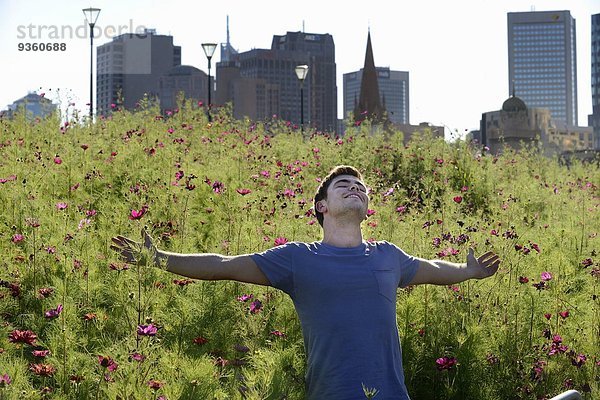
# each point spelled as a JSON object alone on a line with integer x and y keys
{"x": 542, "y": 62}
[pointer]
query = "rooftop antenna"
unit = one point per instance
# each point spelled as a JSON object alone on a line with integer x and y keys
{"x": 513, "y": 88}
{"x": 303, "y": 27}
{"x": 228, "y": 31}
{"x": 532, "y": 8}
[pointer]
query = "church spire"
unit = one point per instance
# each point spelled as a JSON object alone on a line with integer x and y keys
{"x": 369, "y": 103}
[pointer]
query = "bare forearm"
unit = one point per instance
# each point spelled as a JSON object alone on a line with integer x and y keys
{"x": 449, "y": 272}
{"x": 197, "y": 266}
{"x": 442, "y": 272}
{"x": 212, "y": 267}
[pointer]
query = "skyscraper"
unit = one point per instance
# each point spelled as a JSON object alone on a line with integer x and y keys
{"x": 262, "y": 82}
{"x": 393, "y": 89}
{"x": 542, "y": 62}
{"x": 595, "y": 117}
{"x": 131, "y": 66}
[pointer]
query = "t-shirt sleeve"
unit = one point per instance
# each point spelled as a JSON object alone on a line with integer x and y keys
{"x": 408, "y": 266}
{"x": 277, "y": 265}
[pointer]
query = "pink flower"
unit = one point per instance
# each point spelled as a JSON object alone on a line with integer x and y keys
{"x": 45, "y": 292}
{"x": 401, "y": 209}
{"x": 61, "y": 205}
{"x": 137, "y": 357}
{"x": 26, "y": 336}
{"x": 218, "y": 187}
{"x": 546, "y": 276}
{"x": 371, "y": 212}
{"x": 243, "y": 192}
{"x": 42, "y": 369}
{"x": 450, "y": 251}
{"x": 57, "y": 160}
{"x": 277, "y": 333}
{"x": 108, "y": 363}
{"x": 523, "y": 279}
{"x": 579, "y": 360}
{"x": 255, "y": 307}
{"x": 54, "y": 312}
{"x": 547, "y": 315}
{"x": 147, "y": 330}
{"x": 564, "y": 314}
{"x": 587, "y": 262}
{"x": 154, "y": 384}
{"x": 280, "y": 241}
{"x": 458, "y": 199}
{"x": 40, "y": 353}
{"x": 18, "y": 238}
{"x": 5, "y": 380}
{"x": 445, "y": 363}
{"x": 244, "y": 298}
{"x": 135, "y": 214}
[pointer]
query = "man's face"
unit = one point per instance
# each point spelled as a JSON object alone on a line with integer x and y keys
{"x": 346, "y": 196}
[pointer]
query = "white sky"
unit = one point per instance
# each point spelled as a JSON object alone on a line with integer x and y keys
{"x": 454, "y": 51}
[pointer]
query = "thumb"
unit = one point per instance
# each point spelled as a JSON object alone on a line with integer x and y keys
{"x": 471, "y": 255}
{"x": 147, "y": 239}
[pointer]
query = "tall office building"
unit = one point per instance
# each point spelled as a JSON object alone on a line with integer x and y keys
{"x": 393, "y": 89}
{"x": 595, "y": 117}
{"x": 542, "y": 62}
{"x": 261, "y": 83}
{"x": 131, "y": 66}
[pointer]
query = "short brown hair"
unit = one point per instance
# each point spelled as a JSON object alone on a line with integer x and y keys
{"x": 322, "y": 190}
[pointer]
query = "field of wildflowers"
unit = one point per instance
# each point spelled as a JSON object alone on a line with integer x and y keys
{"x": 77, "y": 323}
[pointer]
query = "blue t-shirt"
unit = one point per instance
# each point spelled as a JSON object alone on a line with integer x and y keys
{"x": 346, "y": 302}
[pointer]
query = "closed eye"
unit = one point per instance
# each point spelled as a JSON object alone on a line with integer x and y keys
{"x": 344, "y": 183}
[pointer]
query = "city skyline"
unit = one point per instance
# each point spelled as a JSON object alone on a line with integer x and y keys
{"x": 458, "y": 65}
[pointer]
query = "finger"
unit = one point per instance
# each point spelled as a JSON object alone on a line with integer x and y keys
{"x": 486, "y": 256}
{"x": 493, "y": 268}
{"x": 147, "y": 239}
{"x": 122, "y": 240}
{"x": 492, "y": 261}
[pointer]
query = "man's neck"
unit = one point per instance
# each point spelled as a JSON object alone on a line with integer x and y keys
{"x": 347, "y": 235}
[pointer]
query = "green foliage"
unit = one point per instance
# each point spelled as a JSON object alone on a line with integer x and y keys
{"x": 234, "y": 187}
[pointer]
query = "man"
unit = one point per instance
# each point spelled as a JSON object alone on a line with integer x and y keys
{"x": 343, "y": 289}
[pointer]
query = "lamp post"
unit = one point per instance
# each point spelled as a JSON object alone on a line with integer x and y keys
{"x": 91, "y": 16}
{"x": 301, "y": 72}
{"x": 209, "y": 50}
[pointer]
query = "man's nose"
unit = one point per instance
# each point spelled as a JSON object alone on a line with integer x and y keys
{"x": 353, "y": 187}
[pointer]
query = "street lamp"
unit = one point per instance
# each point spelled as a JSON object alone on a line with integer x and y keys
{"x": 209, "y": 50}
{"x": 91, "y": 16}
{"x": 301, "y": 72}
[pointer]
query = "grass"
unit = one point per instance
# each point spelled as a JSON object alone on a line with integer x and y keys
{"x": 235, "y": 187}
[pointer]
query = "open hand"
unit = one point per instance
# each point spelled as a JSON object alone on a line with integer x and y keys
{"x": 131, "y": 250}
{"x": 484, "y": 266}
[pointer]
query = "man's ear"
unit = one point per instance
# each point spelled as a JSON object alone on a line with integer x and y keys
{"x": 321, "y": 206}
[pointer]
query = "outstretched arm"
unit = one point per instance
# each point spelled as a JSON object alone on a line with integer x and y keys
{"x": 203, "y": 266}
{"x": 440, "y": 272}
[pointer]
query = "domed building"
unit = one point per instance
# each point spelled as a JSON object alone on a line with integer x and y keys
{"x": 515, "y": 126}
